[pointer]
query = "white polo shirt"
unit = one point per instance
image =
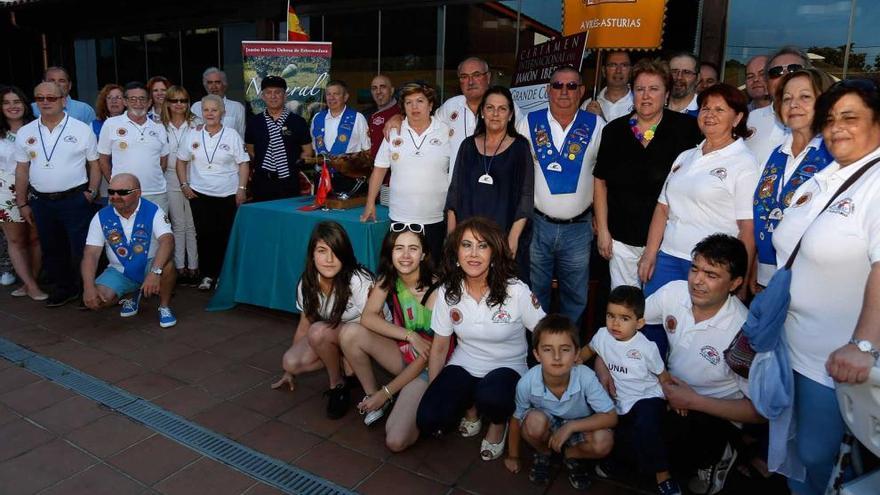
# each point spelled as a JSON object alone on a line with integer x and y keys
{"x": 213, "y": 160}
{"x": 360, "y": 135}
{"x": 612, "y": 109}
{"x": 456, "y": 113}
{"x": 7, "y": 155}
{"x": 73, "y": 143}
{"x": 634, "y": 365}
{"x": 136, "y": 149}
{"x": 766, "y": 270}
{"x": 420, "y": 172}
{"x": 360, "y": 285}
{"x": 768, "y": 133}
{"x": 696, "y": 350}
{"x": 830, "y": 272}
{"x": 564, "y": 205}
{"x": 707, "y": 194}
{"x": 488, "y": 338}
{"x": 95, "y": 237}
{"x": 233, "y": 118}
{"x": 176, "y": 136}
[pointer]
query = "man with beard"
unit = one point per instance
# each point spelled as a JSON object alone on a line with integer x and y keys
{"x": 615, "y": 99}
{"x": 134, "y": 143}
{"x": 683, "y": 97}
{"x": 756, "y": 84}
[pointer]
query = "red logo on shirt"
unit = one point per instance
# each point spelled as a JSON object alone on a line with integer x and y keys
{"x": 453, "y": 116}
{"x": 121, "y": 131}
{"x": 803, "y": 199}
{"x": 397, "y": 142}
{"x": 671, "y": 323}
{"x": 195, "y": 146}
{"x": 710, "y": 354}
{"x": 455, "y": 316}
{"x": 31, "y": 141}
{"x": 634, "y": 354}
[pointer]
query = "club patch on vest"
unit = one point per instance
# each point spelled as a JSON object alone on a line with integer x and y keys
{"x": 670, "y": 324}
{"x": 710, "y": 354}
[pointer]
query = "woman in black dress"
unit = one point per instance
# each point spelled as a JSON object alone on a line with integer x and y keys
{"x": 494, "y": 175}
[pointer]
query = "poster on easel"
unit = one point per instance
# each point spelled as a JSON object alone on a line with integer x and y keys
{"x": 305, "y": 65}
{"x": 534, "y": 65}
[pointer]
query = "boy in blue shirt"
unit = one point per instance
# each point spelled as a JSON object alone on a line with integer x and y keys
{"x": 561, "y": 407}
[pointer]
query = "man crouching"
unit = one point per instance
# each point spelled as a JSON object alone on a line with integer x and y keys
{"x": 139, "y": 244}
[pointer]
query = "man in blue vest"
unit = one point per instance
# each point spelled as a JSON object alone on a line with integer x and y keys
{"x": 138, "y": 240}
{"x": 564, "y": 141}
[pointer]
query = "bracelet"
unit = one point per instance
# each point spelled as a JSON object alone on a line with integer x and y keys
{"x": 184, "y": 184}
{"x": 407, "y": 334}
{"x": 387, "y": 392}
{"x": 243, "y": 188}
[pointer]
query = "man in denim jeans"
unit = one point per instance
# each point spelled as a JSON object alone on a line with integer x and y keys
{"x": 565, "y": 141}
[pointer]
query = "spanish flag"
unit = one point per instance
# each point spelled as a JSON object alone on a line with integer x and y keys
{"x": 294, "y": 30}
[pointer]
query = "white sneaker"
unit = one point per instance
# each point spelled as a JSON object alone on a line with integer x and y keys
{"x": 710, "y": 481}
{"x": 206, "y": 283}
{"x": 7, "y": 278}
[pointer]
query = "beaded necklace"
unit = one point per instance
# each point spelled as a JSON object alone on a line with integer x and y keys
{"x": 646, "y": 136}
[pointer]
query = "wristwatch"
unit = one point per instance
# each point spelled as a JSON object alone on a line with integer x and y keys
{"x": 156, "y": 270}
{"x": 866, "y": 346}
{"x": 93, "y": 194}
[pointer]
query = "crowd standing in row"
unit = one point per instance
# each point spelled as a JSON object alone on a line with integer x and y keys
{"x": 695, "y": 193}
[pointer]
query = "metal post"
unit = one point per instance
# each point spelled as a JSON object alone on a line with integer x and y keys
{"x": 379, "y": 46}
{"x": 441, "y": 49}
{"x": 852, "y": 20}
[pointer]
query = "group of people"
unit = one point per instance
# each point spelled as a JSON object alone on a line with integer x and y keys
{"x": 695, "y": 192}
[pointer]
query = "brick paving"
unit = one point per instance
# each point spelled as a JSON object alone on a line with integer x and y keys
{"x": 215, "y": 369}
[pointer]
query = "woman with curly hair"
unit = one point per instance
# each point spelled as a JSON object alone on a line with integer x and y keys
{"x": 481, "y": 301}
{"x": 109, "y": 103}
{"x": 331, "y": 293}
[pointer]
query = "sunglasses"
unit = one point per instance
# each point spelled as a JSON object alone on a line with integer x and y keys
{"x": 121, "y": 192}
{"x": 781, "y": 70}
{"x": 177, "y": 100}
{"x": 415, "y": 228}
{"x": 571, "y": 85}
{"x": 50, "y": 99}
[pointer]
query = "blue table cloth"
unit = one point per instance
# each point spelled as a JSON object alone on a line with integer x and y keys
{"x": 267, "y": 250}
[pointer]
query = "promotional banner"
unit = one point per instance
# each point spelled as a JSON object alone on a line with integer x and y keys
{"x": 629, "y": 24}
{"x": 304, "y": 65}
{"x": 535, "y": 64}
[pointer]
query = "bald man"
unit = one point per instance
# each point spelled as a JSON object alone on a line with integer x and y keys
{"x": 386, "y": 107}
{"x": 138, "y": 240}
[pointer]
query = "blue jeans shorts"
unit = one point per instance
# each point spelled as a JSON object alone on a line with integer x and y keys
{"x": 556, "y": 423}
{"x": 118, "y": 282}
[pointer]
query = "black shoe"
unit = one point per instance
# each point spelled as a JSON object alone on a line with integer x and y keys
{"x": 352, "y": 382}
{"x": 540, "y": 472}
{"x": 338, "y": 401}
{"x": 577, "y": 474}
{"x": 59, "y": 299}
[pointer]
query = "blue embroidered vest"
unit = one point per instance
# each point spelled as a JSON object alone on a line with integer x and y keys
{"x": 131, "y": 253}
{"x": 561, "y": 169}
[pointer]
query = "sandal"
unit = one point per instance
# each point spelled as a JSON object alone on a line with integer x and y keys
{"x": 540, "y": 473}
{"x": 578, "y": 477}
{"x": 490, "y": 451}
{"x": 468, "y": 428}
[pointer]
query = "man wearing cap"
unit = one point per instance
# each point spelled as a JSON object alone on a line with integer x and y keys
{"x": 276, "y": 139}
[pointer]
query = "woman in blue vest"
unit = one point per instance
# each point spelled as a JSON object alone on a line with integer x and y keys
{"x": 799, "y": 157}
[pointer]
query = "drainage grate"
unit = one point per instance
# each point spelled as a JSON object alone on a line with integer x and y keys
{"x": 271, "y": 471}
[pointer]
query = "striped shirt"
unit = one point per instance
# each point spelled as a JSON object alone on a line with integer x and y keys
{"x": 275, "y": 159}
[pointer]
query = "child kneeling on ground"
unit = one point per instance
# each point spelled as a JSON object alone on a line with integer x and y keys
{"x": 637, "y": 370}
{"x": 561, "y": 407}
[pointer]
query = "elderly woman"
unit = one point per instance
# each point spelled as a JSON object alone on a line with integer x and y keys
{"x": 709, "y": 190}
{"x": 833, "y": 324}
{"x": 493, "y": 175}
{"x": 802, "y": 154}
{"x": 418, "y": 155}
{"x": 634, "y": 158}
{"x": 487, "y": 308}
{"x": 109, "y": 103}
{"x": 21, "y": 237}
{"x": 157, "y": 87}
{"x": 212, "y": 166}
{"x": 179, "y": 123}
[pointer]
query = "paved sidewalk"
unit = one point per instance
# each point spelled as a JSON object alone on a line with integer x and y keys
{"x": 214, "y": 369}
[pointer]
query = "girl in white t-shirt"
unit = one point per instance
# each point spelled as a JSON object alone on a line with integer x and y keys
{"x": 331, "y": 293}
{"x": 481, "y": 301}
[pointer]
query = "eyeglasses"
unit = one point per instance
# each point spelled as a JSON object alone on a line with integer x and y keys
{"x": 571, "y": 85}
{"x": 50, "y": 99}
{"x": 176, "y": 100}
{"x": 415, "y": 228}
{"x": 781, "y": 70}
{"x": 137, "y": 99}
{"x": 472, "y": 75}
{"x": 115, "y": 98}
{"x": 682, "y": 73}
{"x": 121, "y": 192}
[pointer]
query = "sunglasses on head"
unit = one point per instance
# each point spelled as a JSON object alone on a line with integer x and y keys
{"x": 571, "y": 85}
{"x": 781, "y": 70}
{"x": 50, "y": 99}
{"x": 121, "y": 192}
{"x": 415, "y": 228}
{"x": 176, "y": 100}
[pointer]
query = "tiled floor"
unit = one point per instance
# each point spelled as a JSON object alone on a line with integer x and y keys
{"x": 215, "y": 369}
